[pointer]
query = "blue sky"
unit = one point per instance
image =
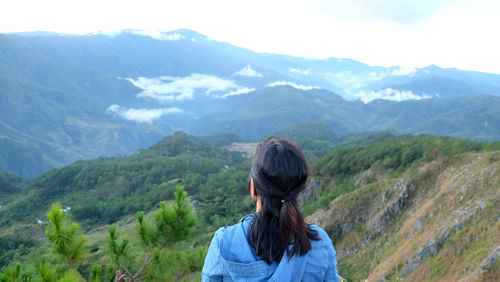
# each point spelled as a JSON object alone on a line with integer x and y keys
{"x": 449, "y": 33}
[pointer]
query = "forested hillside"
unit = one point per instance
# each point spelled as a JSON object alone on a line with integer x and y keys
{"x": 394, "y": 206}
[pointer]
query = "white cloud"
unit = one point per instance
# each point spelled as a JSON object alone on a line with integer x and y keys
{"x": 168, "y": 88}
{"x": 248, "y": 71}
{"x": 293, "y": 84}
{"x": 373, "y": 76}
{"x": 389, "y": 94}
{"x": 156, "y": 34}
{"x": 238, "y": 91}
{"x": 172, "y": 36}
{"x": 301, "y": 71}
{"x": 402, "y": 71}
{"x": 140, "y": 115}
{"x": 110, "y": 33}
{"x": 348, "y": 80}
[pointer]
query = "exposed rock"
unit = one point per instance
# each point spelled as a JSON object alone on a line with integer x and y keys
{"x": 339, "y": 230}
{"x": 196, "y": 205}
{"x": 383, "y": 197}
{"x": 460, "y": 226}
{"x": 309, "y": 192}
{"x": 370, "y": 238}
{"x": 418, "y": 224}
{"x": 385, "y": 217}
{"x": 345, "y": 252}
{"x": 492, "y": 258}
{"x": 367, "y": 177}
{"x": 432, "y": 247}
{"x": 412, "y": 265}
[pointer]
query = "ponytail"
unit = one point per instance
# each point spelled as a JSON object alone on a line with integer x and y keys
{"x": 279, "y": 172}
{"x": 292, "y": 226}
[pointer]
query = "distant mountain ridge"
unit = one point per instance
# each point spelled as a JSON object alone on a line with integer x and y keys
{"x": 133, "y": 53}
{"x": 70, "y": 97}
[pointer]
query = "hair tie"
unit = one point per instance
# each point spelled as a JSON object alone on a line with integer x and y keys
{"x": 287, "y": 199}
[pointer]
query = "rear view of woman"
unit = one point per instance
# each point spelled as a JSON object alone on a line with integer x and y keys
{"x": 274, "y": 244}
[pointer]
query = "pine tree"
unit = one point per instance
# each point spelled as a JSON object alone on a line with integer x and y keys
{"x": 66, "y": 239}
{"x": 172, "y": 223}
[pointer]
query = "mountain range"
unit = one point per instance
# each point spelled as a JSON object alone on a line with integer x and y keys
{"x": 69, "y": 97}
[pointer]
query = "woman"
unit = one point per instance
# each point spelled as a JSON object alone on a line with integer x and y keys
{"x": 274, "y": 244}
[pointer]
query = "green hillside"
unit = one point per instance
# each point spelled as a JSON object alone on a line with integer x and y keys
{"x": 369, "y": 200}
{"x": 135, "y": 183}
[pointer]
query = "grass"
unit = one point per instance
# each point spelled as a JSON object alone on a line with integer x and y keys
{"x": 442, "y": 202}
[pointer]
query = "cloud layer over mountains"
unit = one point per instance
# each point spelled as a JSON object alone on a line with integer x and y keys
{"x": 168, "y": 88}
{"x": 389, "y": 94}
{"x": 140, "y": 115}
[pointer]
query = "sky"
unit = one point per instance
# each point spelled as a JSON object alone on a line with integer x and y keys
{"x": 410, "y": 33}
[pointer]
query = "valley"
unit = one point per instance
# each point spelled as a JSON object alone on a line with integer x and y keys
{"x": 135, "y": 148}
{"x": 71, "y": 97}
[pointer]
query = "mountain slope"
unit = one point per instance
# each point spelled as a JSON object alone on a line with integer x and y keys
{"x": 434, "y": 222}
{"x": 264, "y": 111}
{"x": 52, "y": 113}
{"x": 69, "y": 97}
{"x": 261, "y": 112}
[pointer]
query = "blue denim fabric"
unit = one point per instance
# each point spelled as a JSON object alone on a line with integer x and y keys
{"x": 231, "y": 258}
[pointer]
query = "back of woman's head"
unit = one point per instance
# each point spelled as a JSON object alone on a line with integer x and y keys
{"x": 279, "y": 172}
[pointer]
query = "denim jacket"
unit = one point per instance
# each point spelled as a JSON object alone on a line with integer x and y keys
{"x": 231, "y": 258}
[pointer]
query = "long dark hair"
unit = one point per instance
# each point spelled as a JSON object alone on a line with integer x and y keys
{"x": 279, "y": 172}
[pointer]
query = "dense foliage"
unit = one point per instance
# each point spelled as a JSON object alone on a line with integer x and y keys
{"x": 10, "y": 184}
{"x": 344, "y": 165}
{"x": 156, "y": 259}
{"x": 396, "y": 154}
{"x": 103, "y": 190}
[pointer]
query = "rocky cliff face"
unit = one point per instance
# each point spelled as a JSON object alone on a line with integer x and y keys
{"x": 437, "y": 222}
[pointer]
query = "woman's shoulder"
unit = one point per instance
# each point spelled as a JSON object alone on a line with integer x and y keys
{"x": 322, "y": 254}
{"x": 321, "y": 233}
{"x": 324, "y": 240}
{"x": 229, "y": 230}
